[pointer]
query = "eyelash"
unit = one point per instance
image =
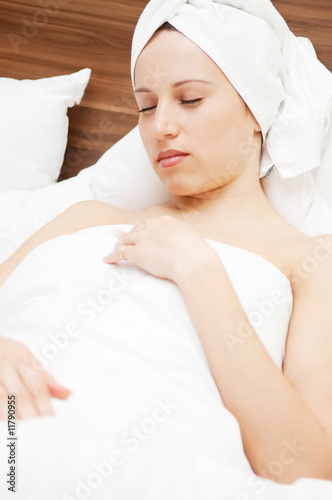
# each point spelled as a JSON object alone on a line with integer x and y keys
{"x": 189, "y": 102}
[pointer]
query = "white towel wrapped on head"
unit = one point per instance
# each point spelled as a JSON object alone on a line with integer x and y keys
{"x": 277, "y": 74}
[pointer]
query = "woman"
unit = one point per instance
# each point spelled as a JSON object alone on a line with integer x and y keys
{"x": 205, "y": 144}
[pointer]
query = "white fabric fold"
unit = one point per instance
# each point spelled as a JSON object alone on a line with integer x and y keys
{"x": 276, "y": 73}
{"x": 122, "y": 337}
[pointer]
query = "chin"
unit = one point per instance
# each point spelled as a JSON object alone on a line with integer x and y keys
{"x": 181, "y": 189}
{"x": 182, "y": 183}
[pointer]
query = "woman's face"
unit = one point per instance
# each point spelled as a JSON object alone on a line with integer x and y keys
{"x": 198, "y": 133}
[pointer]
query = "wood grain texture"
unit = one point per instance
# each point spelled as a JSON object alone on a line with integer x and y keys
{"x": 43, "y": 38}
{"x": 311, "y": 19}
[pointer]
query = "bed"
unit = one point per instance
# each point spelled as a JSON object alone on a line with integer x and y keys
{"x": 91, "y": 448}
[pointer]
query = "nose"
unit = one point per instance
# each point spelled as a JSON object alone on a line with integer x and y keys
{"x": 165, "y": 122}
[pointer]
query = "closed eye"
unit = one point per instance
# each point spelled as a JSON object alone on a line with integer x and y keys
{"x": 183, "y": 101}
{"x": 191, "y": 101}
{"x": 146, "y": 109}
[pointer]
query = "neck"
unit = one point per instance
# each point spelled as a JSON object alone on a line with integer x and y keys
{"x": 241, "y": 200}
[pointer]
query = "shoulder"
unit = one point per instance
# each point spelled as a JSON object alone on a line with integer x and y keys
{"x": 91, "y": 206}
{"x": 96, "y": 213}
{"x": 90, "y": 213}
{"x": 311, "y": 262}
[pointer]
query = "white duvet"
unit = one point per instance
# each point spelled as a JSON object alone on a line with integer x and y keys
{"x": 145, "y": 421}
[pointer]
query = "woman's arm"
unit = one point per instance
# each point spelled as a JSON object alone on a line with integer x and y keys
{"x": 285, "y": 418}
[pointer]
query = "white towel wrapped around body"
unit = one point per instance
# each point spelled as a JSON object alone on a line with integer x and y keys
{"x": 146, "y": 420}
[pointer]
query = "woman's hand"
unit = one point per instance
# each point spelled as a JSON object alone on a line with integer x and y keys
{"x": 164, "y": 247}
{"x": 33, "y": 388}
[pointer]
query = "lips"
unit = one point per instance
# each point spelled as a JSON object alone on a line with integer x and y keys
{"x": 171, "y": 157}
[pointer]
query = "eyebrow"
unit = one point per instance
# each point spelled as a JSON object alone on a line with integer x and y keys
{"x": 174, "y": 85}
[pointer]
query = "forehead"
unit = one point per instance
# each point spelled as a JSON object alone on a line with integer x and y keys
{"x": 171, "y": 55}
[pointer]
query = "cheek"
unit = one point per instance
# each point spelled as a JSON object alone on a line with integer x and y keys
{"x": 227, "y": 126}
{"x": 212, "y": 131}
{"x": 146, "y": 137}
{"x": 215, "y": 120}
{"x": 221, "y": 139}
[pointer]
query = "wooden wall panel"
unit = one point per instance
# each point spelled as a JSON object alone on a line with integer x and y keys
{"x": 43, "y": 38}
{"x": 311, "y": 19}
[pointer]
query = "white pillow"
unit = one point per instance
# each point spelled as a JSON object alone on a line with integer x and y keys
{"x": 27, "y": 211}
{"x": 34, "y": 128}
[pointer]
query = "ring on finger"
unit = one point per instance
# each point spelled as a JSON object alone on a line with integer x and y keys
{"x": 122, "y": 253}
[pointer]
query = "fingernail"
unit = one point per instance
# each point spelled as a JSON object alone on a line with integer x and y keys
{"x": 66, "y": 392}
{"x": 109, "y": 259}
{"x": 63, "y": 388}
{"x": 58, "y": 384}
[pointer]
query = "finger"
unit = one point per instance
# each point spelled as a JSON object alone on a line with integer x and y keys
{"x": 125, "y": 240}
{"x": 56, "y": 390}
{"x": 127, "y": 252}
{"x": 120, "y": 251}
{"x": 135, "y": 229}
{"x": 13, "y": 384}
{"x": 37, "y": 387}
{"x": 130, "y": 238}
